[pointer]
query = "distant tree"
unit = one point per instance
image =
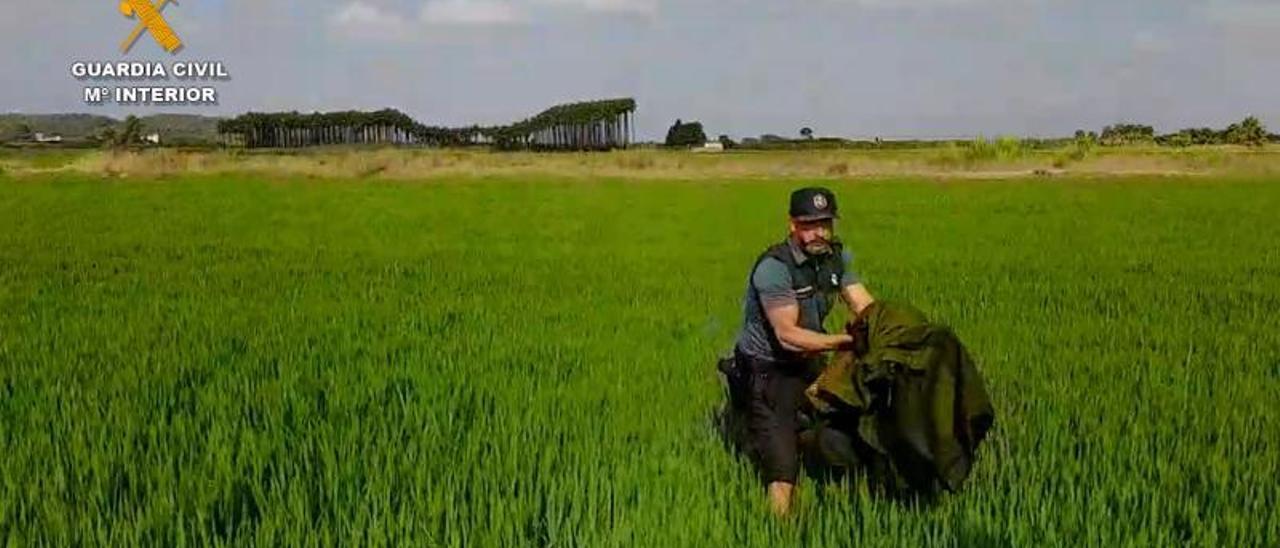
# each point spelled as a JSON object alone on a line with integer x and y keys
{"x": 1085, "y": 139}
{"x": 1181, "y": 139}
{"x": 1248, "y": 132}
{"x": 1203, "y": 136}
{"x": 127, "y": 133}
{"x": 1127, "y": 134}
{"x": 685, "y": 134}
{"x": 726, "y": 142}
{"x": 106, "y": 137}
{"x": 19, "y": 131}
{"x": 806, "y": 132}
{"x": 673, "y": 132}
{"x": 694, "y": 133}
{"x": 130, "y": 132}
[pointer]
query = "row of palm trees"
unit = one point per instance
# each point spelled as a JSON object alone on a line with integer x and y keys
{"x": 292, "y": 130}
{"x": 587, "y": 125}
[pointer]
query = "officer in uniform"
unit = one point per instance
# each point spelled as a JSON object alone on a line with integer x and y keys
{"x": 792, "y": 287}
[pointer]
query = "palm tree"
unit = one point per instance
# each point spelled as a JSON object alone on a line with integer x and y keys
{"x": 1249, "y": 132}
{"x": 587, "y": 125}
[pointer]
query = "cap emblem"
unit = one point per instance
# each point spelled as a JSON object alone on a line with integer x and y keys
{"x": 819, "y": 201}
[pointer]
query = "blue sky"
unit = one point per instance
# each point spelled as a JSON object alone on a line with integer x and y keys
{"x": 859, "y": 68}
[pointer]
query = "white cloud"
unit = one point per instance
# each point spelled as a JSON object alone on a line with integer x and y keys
{"x": 470, "y": 12}
{"x": 368, "y": 20}
{"x": 607, "y": 6}
{"x": 364, "y": 20}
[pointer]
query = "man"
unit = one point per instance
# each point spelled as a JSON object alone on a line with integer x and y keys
{"x": 791, "y": 290}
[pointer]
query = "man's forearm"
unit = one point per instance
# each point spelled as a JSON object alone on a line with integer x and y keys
{"x": 812, "y": 341}
{"x": 857, "y": 298}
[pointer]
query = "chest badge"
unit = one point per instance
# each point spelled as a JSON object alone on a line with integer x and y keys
{"x": 834, "y": 280}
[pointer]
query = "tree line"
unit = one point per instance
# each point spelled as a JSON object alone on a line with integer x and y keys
{"x": 587, "y": 125}
{"x": 291, "y": 129}
{"x": 1247, "y": 132}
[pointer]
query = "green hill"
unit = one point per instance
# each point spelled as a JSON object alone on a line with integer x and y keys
{"x": 69, "y": 126}
{"x": 177, "y": 129}
{"x": 182, "y": 129}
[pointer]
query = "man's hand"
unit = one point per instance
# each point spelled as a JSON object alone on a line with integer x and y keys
{"x": 850, "y": 344}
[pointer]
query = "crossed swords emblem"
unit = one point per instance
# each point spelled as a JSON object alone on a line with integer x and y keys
{"x": 150, "y": 20}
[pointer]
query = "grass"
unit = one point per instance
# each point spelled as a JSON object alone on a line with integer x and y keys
{"x": 525, "y": 360}
{"x": 1005, "y": 157}
{"x": 981, "y": 151}
{"x": 40, "y": 158}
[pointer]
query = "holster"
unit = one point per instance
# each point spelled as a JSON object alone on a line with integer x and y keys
{"x": 737, "y": 380}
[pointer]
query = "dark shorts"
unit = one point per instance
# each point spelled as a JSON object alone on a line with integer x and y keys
{"x": 776, "y": 396}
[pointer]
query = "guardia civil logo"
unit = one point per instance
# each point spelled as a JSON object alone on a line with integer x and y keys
{"x": 146, "y": 82}
{"x": 150, "y": 20}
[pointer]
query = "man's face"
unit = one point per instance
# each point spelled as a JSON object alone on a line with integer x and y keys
{"x": 813, "y": 236}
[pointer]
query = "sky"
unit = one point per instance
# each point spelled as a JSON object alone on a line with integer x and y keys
{"x": 850, "y": 68}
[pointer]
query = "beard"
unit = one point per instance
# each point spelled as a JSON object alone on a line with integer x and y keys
{"x": 818, "y": 247}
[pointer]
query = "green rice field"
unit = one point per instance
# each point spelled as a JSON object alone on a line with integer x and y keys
{"x": 529, "y": 360}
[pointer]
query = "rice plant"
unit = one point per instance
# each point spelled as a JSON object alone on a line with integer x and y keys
{"x": 519, "y": 361}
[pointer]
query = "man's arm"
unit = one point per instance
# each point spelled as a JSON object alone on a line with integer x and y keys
{"x": 785, "y": 320}
{"x": 857, "y": 297}
{"x": 852, "y": 292}
{"x": 772, "y": 281}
